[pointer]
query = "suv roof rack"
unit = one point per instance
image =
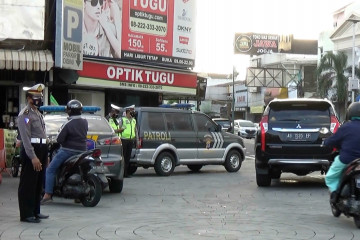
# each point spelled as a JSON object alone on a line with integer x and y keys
{"x": 178, "y": 105}
{"x": 62, "y": 108}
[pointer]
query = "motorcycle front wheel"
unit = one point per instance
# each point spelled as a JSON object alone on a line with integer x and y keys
{"x": 93, "y": 198}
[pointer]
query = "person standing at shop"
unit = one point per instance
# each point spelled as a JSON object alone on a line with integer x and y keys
{"x": 33, "y": 155}
{"x": 128, "y": 135}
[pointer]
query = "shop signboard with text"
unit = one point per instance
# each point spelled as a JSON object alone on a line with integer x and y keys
{"x": 255, "y": 43}
{"x": 136, "y": 78}
{"x": 153, "y": 31}
{"x": 68, "y": 41}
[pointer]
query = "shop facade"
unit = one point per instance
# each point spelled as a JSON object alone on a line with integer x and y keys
{"x": 148, "y": 60}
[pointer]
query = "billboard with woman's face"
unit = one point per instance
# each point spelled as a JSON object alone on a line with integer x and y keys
{"x": 155, "y": 31}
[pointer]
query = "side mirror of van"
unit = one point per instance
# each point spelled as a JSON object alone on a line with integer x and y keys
{"x": 230, "y": 129}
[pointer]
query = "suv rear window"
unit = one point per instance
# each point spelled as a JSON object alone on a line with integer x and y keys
{"x": 300, "y": 112}
{"x": 97, "y": 124}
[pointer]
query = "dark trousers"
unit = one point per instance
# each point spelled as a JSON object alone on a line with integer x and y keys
{"x": 127, "y": 145}
{"x": 31, "y": 182}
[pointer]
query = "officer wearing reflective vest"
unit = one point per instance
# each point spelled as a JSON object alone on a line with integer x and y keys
{"x": 128, "y": 135}
{"x": 33, "y": 155}
{"x": 113, "y": 119}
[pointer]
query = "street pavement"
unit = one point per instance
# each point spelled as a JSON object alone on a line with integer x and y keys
{"x": 211, "y": 204}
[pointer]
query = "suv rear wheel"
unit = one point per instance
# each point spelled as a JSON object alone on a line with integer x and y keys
{"x": 233, "y": 161}
{"x": 263, "y": 180}
{"x": 116, "y": 185}
{"x": 164, "y": 164}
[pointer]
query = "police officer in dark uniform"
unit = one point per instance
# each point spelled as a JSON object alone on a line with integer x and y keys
{"x": 33, "y": 155}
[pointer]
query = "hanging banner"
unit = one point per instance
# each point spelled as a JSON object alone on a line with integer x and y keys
{"x": 22, "y": 19}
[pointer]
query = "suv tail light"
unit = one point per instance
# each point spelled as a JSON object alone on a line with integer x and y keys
{"x": 334, "y": 124}
{"x": 263, "y": 128}
{"x": 112, "y": 141}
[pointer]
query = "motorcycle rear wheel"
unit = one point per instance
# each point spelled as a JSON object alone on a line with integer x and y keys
{"x": 357, "y": 221}
{"x": 93, "y": 198}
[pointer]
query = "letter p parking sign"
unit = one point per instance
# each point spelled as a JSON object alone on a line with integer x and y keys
{"x": 72, "y": 24}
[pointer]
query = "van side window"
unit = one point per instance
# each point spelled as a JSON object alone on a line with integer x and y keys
{"x": 178, "y": 122}
{"x": 204, "y": 124}
{"x": 153, "y": 121}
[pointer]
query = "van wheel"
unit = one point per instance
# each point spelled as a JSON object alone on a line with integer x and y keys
{"x": 164, "y": 164}
{"x": 194, "y": 168}
{"x": 233, "y": 161}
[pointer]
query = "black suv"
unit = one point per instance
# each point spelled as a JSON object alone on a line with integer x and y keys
{"x": 290, "y": 138}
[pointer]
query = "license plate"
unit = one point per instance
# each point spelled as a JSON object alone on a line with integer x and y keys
{"x": 358, "y": 183}
{"x": 298, "y": 136}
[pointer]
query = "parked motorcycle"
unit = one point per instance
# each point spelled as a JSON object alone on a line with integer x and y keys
{"x": 348, "y": 200}
{"x": 82, "y": 177}
{"x": 15, "y": 160}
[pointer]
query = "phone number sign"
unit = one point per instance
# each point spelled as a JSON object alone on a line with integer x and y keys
{"x": 160, "y": 31}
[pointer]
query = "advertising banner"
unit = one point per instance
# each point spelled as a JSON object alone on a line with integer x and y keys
{"x": 22, "y": 19}
{"x": 255, "y": 43}
{"x": 155, "y": 31}
{"x": 135, "y": 78}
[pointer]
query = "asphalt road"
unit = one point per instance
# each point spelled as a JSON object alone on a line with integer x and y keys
{"x": 211, "y": 204}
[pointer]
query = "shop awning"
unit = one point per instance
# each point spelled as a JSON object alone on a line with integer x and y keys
{"x": 35, "y": 60}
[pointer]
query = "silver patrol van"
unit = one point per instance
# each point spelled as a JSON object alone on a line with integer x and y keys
{"x": 169, "y": 137}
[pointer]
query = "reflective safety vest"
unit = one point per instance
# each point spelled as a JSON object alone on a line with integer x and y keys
{"x": 129, "y": 128}
{"x": 114, "y": 124}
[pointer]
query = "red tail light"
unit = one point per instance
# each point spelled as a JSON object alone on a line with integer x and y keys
{"x": 139, "y": 143}
{"x": 334, "y": 124}
{"x": 96, "y": 153}
{"x": 264, "y": 128}
{"x": 112, "y": 141}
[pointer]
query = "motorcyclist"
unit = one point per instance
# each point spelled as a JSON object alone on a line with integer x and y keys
{"x": 346, "y": 140}
{"x": 72, "y": 138}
